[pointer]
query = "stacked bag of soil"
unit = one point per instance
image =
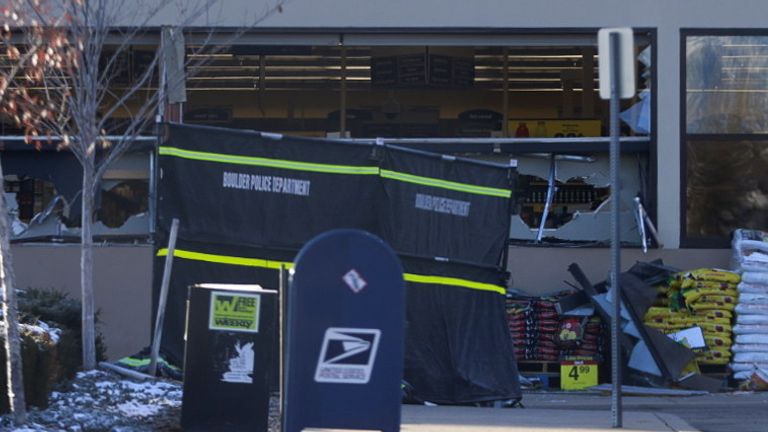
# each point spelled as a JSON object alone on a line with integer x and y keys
{"x": 750, "y": 258}
{"x": 540, "y": 333}
{"x": 704, "y": 298}
{"x": 534, "y": 324}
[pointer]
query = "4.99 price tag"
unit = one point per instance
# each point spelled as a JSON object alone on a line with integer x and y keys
{"x": 578, "y": 375}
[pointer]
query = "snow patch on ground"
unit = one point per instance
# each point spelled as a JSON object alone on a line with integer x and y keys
{"x": 104, "y": 401}
{"x": 101, "y": 401}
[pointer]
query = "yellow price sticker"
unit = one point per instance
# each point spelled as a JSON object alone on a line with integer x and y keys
{"x": 577, "y": 375}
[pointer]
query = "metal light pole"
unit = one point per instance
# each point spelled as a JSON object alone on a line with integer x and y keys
{"x": 615, "y": 156}
{"x": 617, "y": 81}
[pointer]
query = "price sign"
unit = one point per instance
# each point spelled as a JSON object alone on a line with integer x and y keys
{"x": 542, "y": 128}
{"x": 578, "y": 374}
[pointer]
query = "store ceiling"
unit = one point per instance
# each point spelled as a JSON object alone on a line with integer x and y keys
{"x": 320, "y": 68}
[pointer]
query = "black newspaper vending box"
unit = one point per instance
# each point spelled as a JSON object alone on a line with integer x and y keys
{"x": 231, "y": 347}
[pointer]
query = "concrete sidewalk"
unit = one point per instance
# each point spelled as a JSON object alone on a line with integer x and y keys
{"x": 417, "y": 418}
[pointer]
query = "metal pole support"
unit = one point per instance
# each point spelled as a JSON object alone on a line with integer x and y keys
{"x": 615, "y": 157}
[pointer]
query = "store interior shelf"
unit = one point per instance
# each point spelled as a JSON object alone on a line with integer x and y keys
{"x": 581, "y": 145}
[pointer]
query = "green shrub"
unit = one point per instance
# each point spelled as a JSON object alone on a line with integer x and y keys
{"x": 46, "y": 362}
{"x": 40, "y": 368}
{"x": 59, "y": 310}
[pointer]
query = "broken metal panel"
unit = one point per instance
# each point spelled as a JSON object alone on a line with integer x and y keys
{"x": 641, "y": 360}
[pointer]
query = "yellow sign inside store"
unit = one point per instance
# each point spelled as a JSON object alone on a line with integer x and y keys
{"x": 554, "y": 128}
{"x": 578, "y": 375}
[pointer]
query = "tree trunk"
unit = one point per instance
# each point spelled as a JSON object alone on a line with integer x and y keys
{"x": 86, "y": 269}
{"x": 14, "y": 371}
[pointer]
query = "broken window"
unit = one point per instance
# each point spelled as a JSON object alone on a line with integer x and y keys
{"x": 121, "y": 200}
{"x": 30, "y": 195}
{"x": 43, "y": 191}
{"x": 571, "y": 198}
{"x": 580, "y": 191}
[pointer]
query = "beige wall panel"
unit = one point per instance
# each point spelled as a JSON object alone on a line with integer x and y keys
{"x": 542, "y": 270}
{"x": 123, "y": 286}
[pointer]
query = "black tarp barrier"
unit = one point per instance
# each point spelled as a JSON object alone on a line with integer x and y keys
{"x": 197, "y": 262}
{"x": 458, "y": 347}
{"x": 236, "y": 187}
{"x": 464, "y": 219}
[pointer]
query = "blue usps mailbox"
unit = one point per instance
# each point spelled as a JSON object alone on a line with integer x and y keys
{"x": 345, "y": 324}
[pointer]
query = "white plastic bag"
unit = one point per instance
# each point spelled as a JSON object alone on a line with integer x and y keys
{"x": 752, "y": 262}
{"x": 746, "y": 348}
{"x": 751, "y": 309}
{"x": 752, "y": 339}
{"x": 750, "y": 288}
{"x": 752, "y": 319}
{"x": 755, "y": 278}
{"x": 746, "y": 366}
{"x": 746, "y": 240}
{"x": 752, "y": 298}
{"x": 740, "y": 329}
{"x": 751, "y": 357}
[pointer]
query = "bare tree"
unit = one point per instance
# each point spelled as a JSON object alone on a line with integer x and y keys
{"x": 82, "y": 100}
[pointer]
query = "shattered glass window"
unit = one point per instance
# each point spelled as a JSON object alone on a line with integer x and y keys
{"x": 123, "y": 200}
{"x": 571, "y": 198}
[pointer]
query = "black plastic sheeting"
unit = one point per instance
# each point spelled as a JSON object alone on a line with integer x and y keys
{"x": 456, "y": 348}
{"x": 248, "y": 201}
{"x": 461, "y": 226}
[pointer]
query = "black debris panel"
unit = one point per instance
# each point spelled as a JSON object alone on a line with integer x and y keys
{"x": 669, "y": 357}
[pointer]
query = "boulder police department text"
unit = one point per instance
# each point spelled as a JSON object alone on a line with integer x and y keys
{"x": 260, "y": 183}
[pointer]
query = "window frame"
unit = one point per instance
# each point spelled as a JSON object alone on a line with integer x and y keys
{"x": 685, "y": 240}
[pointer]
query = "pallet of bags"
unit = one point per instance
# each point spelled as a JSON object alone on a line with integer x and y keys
{"x": 704, "y": 298}
{"x": 750, "y": 258}
{"x": 533, "y": 324}
{"x": 710, "y": 296}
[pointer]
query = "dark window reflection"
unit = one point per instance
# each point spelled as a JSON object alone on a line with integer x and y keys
{"x": 726, "y": 187}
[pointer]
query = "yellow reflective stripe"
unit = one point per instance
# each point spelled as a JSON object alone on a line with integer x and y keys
{"x": 265, "y": 162}
{"x": 257, "y": 262}
{"x": 224, "y": 259}
{"x": 463, "y": 283}
{"x": 332, "y": 169}
{"x": 445, "y": 184}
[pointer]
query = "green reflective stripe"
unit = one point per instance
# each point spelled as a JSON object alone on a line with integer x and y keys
{"x": 463, "y": 283}
{"x": 275, "y": 265}
{"x": 445, "y": 184}
{"x": 265, "y": 162}
{"x": 224, "y": 259}
{"x": 130, "y": 361}
{"x": 134, "y": 362}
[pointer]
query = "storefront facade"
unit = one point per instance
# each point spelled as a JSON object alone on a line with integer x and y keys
{"x": 501, "y": 80}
